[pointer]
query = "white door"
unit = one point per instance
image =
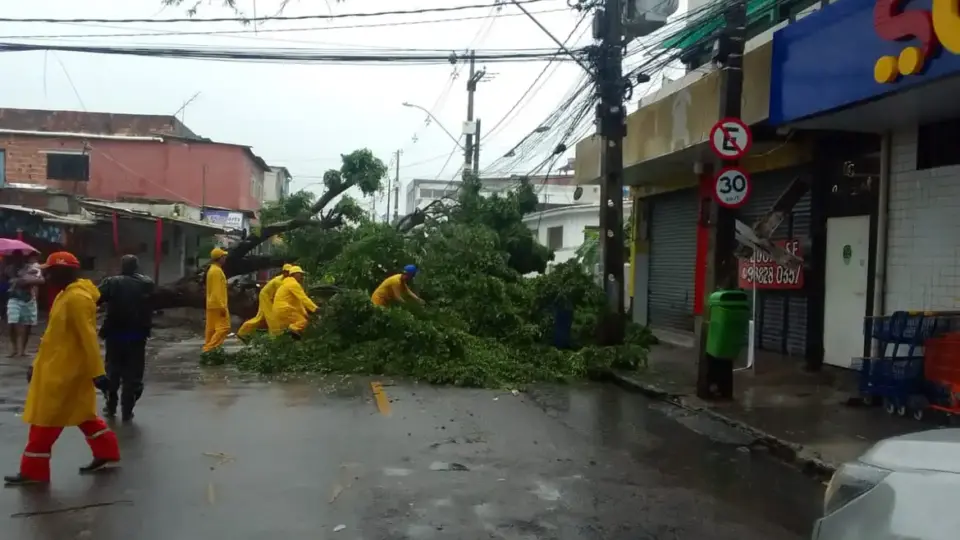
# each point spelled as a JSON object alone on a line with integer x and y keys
{"x": 845, "y": 305}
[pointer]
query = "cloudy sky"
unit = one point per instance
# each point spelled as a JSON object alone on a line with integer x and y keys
{"x": 299, "y": 116}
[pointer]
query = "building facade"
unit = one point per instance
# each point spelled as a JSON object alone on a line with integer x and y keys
{"x": 852, "y": 69}
{"x": 114, "y": 157}
{"x": 276, "y": 184}
{"x": 168, "y": 239}
{"x": 671, "y": 170}
{"x": 555, "y": 191}
{"x": 564, "y": 229}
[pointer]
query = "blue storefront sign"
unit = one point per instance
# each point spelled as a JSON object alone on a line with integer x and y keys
{"x": 224, "y": 218}
{"x": 855, "y": 51}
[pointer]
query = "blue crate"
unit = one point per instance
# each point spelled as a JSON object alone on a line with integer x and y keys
{"x": 894, "y": 379}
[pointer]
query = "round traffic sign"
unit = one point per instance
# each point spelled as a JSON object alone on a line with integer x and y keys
{"x": 732, "y": 187}
{"x": 730, "y": 138}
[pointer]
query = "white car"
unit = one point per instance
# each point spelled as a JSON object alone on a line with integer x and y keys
{"x": 903, "y": 488}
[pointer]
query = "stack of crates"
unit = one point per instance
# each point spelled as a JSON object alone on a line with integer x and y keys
{"x": 896, "y": 376}
{"x": 942, "y": 373}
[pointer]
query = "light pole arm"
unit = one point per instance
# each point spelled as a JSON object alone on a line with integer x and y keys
{"x": 434, "y": 118}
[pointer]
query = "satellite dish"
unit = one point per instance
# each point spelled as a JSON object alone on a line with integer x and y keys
{"x": 577, "y": 193}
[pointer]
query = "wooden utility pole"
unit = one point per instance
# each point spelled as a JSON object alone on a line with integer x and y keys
{"x": 714, "y": 377}
{"x": 608, "y": 29}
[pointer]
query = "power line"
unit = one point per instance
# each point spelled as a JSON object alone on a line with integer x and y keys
{"x": 248, "y": 20}
{"x": 281, "y": 54}
{"x": 241, "y": 34}
{"x": 534, "y": 83}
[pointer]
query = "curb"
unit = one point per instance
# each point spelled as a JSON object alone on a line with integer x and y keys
{"x": 791, "y": 453}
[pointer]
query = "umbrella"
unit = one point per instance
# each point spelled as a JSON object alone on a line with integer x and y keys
{"x": 9, "y": 245}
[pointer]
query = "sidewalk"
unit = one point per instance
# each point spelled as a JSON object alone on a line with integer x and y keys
{"x": 802, "y": 417}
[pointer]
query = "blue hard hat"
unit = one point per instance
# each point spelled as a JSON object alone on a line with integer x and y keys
{"x": 410, "y": 269}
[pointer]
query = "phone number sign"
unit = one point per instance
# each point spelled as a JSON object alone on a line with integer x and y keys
{"x": 763, "y": 271}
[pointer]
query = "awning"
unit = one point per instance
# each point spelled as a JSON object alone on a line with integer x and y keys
{"x": 710, "y": 23}
{"x": 104, "y": 210}
{"x": 50, "y": 217}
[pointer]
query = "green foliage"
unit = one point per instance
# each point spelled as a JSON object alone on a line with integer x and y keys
{"x": 486, "y": 322}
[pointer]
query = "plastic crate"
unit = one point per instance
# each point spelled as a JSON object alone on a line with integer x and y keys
{"x": 942, "y": 359}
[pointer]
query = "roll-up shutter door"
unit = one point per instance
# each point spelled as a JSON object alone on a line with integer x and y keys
{"x": 673, "y": 255}
{"x": 781, "y": 314}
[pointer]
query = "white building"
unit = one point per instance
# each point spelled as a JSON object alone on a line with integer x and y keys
{"x": 276, "y": 184}
{"x": 553, "y": 191}
{"x": 564, "y": 229}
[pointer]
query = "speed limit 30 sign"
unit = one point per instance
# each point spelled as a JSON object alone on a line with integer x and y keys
{"x": 732, "y": 187}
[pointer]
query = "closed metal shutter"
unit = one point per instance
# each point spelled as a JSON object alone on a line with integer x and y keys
{"x": 781, "y": 315}
{"x": 673, "y": 256}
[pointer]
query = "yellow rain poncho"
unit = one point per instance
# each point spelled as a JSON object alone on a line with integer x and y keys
{"x": 265, "y": 311}
{"x": 61, "y": 391}
{"x": 218, "y": 316}
{"x": 291, "y": 306}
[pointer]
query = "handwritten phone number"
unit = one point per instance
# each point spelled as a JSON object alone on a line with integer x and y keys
{"x": 770, "y": 275}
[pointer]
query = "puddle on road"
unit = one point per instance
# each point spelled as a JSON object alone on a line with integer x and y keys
{"x": 691, "y": 450}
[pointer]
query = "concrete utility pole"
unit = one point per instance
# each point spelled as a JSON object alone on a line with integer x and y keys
{"x": 396, "y": 189}
{"x": 386, "y": 214}
{"x": 468, "y": 148}
{"x": 608, "y": 29}
{"x": 715, "y": 377}
{"x": 476, "y": 152}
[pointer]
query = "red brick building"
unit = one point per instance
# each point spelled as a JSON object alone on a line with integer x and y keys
{"x": 122, "y": 156}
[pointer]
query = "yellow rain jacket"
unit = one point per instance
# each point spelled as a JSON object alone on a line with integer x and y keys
{"x": 218, "y": 316}
{"x": 391, "y": 290}
{"x": 61, "y": 392}
{"x": 265, "y": 307}
{"x": 291, "y": 306}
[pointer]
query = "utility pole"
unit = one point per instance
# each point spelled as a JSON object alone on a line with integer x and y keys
{"x": 715, "y": 376}
{"x": 203, "y": 192}
{"x": 468, "y": 148}
{"x": 608, "y": 28}
{"x": 476, "y": 152}
{"x": 396, "y": 189}
{"x": 386, "y": 215}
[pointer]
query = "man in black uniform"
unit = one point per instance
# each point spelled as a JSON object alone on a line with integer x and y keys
{"x": 125, "y": 331}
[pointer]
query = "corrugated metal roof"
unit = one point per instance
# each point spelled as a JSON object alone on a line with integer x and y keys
{"x": 105, "y": 207}
{"x": 49, "y": 217}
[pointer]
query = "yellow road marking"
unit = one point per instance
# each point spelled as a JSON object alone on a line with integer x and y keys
{"x": 383, "y": 404}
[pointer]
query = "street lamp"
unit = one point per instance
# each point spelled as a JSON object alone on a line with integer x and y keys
{"x": 513, "y": 151}
{"x": 434, "y": 118}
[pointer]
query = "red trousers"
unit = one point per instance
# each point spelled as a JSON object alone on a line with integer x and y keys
{"x": 35, "y": 463}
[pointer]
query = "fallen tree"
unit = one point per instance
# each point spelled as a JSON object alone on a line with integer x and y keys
{"x": 359, "y": 169}
{"x": 486, "y": 322}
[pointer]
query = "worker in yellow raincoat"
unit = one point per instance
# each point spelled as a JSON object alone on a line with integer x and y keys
{"x": 265, "y": 301}
{"x": 218, "y": 316}
{"x": 291, "y": 306}
{"x": 64, "y": 377}
{"x": 396, "y": 288}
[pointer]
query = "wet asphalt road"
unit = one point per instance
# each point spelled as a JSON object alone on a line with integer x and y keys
{"x": 214, "y": 456}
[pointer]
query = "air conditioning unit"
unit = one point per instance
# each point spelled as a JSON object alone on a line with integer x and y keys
{"x": 643, "y": 17}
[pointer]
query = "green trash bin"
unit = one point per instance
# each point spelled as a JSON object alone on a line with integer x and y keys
{"x": 729, "y": 320}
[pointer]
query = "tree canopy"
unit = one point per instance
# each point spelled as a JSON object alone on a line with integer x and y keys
{"x": 490, "y": 312}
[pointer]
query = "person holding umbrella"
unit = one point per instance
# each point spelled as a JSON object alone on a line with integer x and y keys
{"x": 23, "y": 276}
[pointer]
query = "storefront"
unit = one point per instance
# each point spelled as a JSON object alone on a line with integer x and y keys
{"x": 673, "y": 255}
{"x": 889, "y": 239}
{"x": 781, "y": 296}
